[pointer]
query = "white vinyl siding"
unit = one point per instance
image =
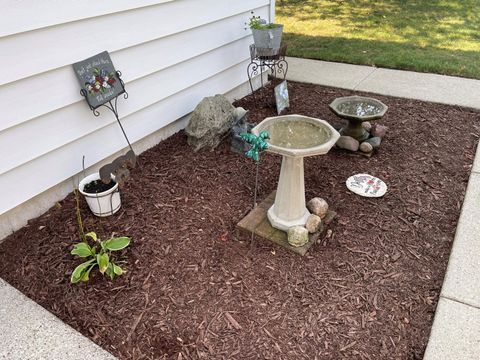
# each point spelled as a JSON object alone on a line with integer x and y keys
{"x": 171, "y": 54}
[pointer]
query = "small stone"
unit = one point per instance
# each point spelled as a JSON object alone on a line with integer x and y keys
{"x": 374, "y": 141}
{"x": 348, "y": 143}
{"x": 379, "y": 130}
{"x": 366, "y": 147}
{"x": 318, "y": 206}
{"x": 297, "y": 236}
{"x": 367, "y": 125}
{"x": 313, "y": 223}
{"x": 239, "y": 113}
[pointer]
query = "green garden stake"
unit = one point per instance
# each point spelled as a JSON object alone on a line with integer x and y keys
{"x": 258, "y": 144}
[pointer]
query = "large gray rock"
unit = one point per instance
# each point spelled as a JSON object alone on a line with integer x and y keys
{"x": 210, "y": 121}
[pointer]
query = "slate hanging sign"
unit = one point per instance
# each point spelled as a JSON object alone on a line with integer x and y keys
{"x": 99, "y": 81}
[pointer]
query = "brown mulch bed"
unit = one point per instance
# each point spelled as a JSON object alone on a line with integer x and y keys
{"x": 196, "y": 289}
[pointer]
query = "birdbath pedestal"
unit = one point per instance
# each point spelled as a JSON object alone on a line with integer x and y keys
{"x": 356, "y": 110}
{"x": 294, "y": 137}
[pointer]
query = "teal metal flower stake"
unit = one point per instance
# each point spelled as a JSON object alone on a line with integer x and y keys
{"x": 258, "y": 144}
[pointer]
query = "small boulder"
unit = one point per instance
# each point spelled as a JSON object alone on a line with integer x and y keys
{"x": 210, "y": 121}
{"x": 313, "y": 224}
{"x": 318, "y": 206}
{"x": 367, "y": 125}
{"x": 348, "y": 143}
{"x": 374, "y": 141}
{"x": 366, "y": 147}
{"x": 379, "y": 130}
{"x": 297, "y": 236}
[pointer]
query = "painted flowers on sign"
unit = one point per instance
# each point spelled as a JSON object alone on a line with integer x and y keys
{"x": 98, "y": 79}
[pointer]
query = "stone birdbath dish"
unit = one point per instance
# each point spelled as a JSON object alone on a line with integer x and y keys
{"x": 356, "y": 110}
{"x": 294, "y": 137}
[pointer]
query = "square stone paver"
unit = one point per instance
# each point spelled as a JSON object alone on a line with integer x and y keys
{"x": 257, "y": 222}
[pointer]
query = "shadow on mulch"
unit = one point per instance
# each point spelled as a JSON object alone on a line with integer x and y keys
{"x": 196, "y": 289}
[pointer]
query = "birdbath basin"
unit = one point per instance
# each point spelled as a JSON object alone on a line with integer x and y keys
{"x": 357, "y": 109}
{"x": 294, "y": 137}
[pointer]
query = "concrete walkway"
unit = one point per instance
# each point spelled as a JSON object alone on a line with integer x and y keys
{"x": 28, "y": 331}
{"x": 407, "y": 84}
{"x": 455, "y": 332}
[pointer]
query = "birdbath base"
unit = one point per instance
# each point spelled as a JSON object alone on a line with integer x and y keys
{"x": 284, "y": 225}
{"x": 355, "y": 130}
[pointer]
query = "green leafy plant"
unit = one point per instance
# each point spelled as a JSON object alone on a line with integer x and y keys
{"x": 98, "y": 256}
{"x": 256, "y": 22}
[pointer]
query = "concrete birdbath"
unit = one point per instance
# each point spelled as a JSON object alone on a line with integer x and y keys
{"x": 357, "y": 109}
{"x": 294, "y": 137}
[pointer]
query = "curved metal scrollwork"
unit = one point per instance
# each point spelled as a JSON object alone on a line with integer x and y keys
{"x": 266, "y": 59}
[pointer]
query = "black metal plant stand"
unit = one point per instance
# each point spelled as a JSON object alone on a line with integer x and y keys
{"x": 263, "y": 60}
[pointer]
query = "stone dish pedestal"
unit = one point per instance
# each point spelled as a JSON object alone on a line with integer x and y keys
{"x": 356, "y": 110}
{"x": 294, "y": 137}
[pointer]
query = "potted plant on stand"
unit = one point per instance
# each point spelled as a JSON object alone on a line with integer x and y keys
{"x": 266, "y": 36}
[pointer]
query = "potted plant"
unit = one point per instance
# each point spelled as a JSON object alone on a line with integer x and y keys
{"x": 102, "y": 199}
{"x": 266, "y": 35}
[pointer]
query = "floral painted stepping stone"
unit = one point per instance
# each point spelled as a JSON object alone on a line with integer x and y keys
{"x": 366, "y": 185}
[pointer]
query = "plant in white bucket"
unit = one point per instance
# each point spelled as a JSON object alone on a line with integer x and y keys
{"x": 102, "y": 199}
{"x": 266, "y": 35}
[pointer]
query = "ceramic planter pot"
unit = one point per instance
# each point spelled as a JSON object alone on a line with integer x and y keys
{"x": 101, "y": 204}
{"x": 268, "y": 38}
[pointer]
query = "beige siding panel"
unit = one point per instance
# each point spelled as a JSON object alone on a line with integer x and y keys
{"x": 34, "y": 52}
{"x": 15, "y": 17}
{"x": 153, "y": 56}
{"x": 28, "y": 180}
{"x": 58, "y": 128}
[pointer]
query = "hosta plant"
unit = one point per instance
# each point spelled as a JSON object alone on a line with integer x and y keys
{"x": 99, "y": 254}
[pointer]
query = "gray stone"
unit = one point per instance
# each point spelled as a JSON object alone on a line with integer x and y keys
{"x": 366, "y": 147}
{"x": 239, "y": 113}
{"x": 367, "y": 125}
{"x": 297, "y": 236}
{"x": 210, "y": 121}
{"x": 318, "y": 206}
{"x": 348, "y": 143}
{"x": 379, "y": 130}
{"x": 374, "y": 141}
{"x": 313, "y": 224}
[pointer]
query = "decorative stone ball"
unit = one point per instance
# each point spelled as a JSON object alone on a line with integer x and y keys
{"x": 366, "y": 147}
{"x": 367, "y": 125}
{"x": 297, "y": 236}
{"x": 318, "y": 206}
{"x": 313, "y": 224}
{"x": 348, "y": 143}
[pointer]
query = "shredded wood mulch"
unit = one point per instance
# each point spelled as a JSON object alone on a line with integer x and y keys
{"x": 198, "y": 289}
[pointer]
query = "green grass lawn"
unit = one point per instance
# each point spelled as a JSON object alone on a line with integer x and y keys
{"x": 422, "y": 35}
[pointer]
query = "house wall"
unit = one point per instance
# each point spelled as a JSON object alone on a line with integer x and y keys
{"x": 171, "y": 54}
